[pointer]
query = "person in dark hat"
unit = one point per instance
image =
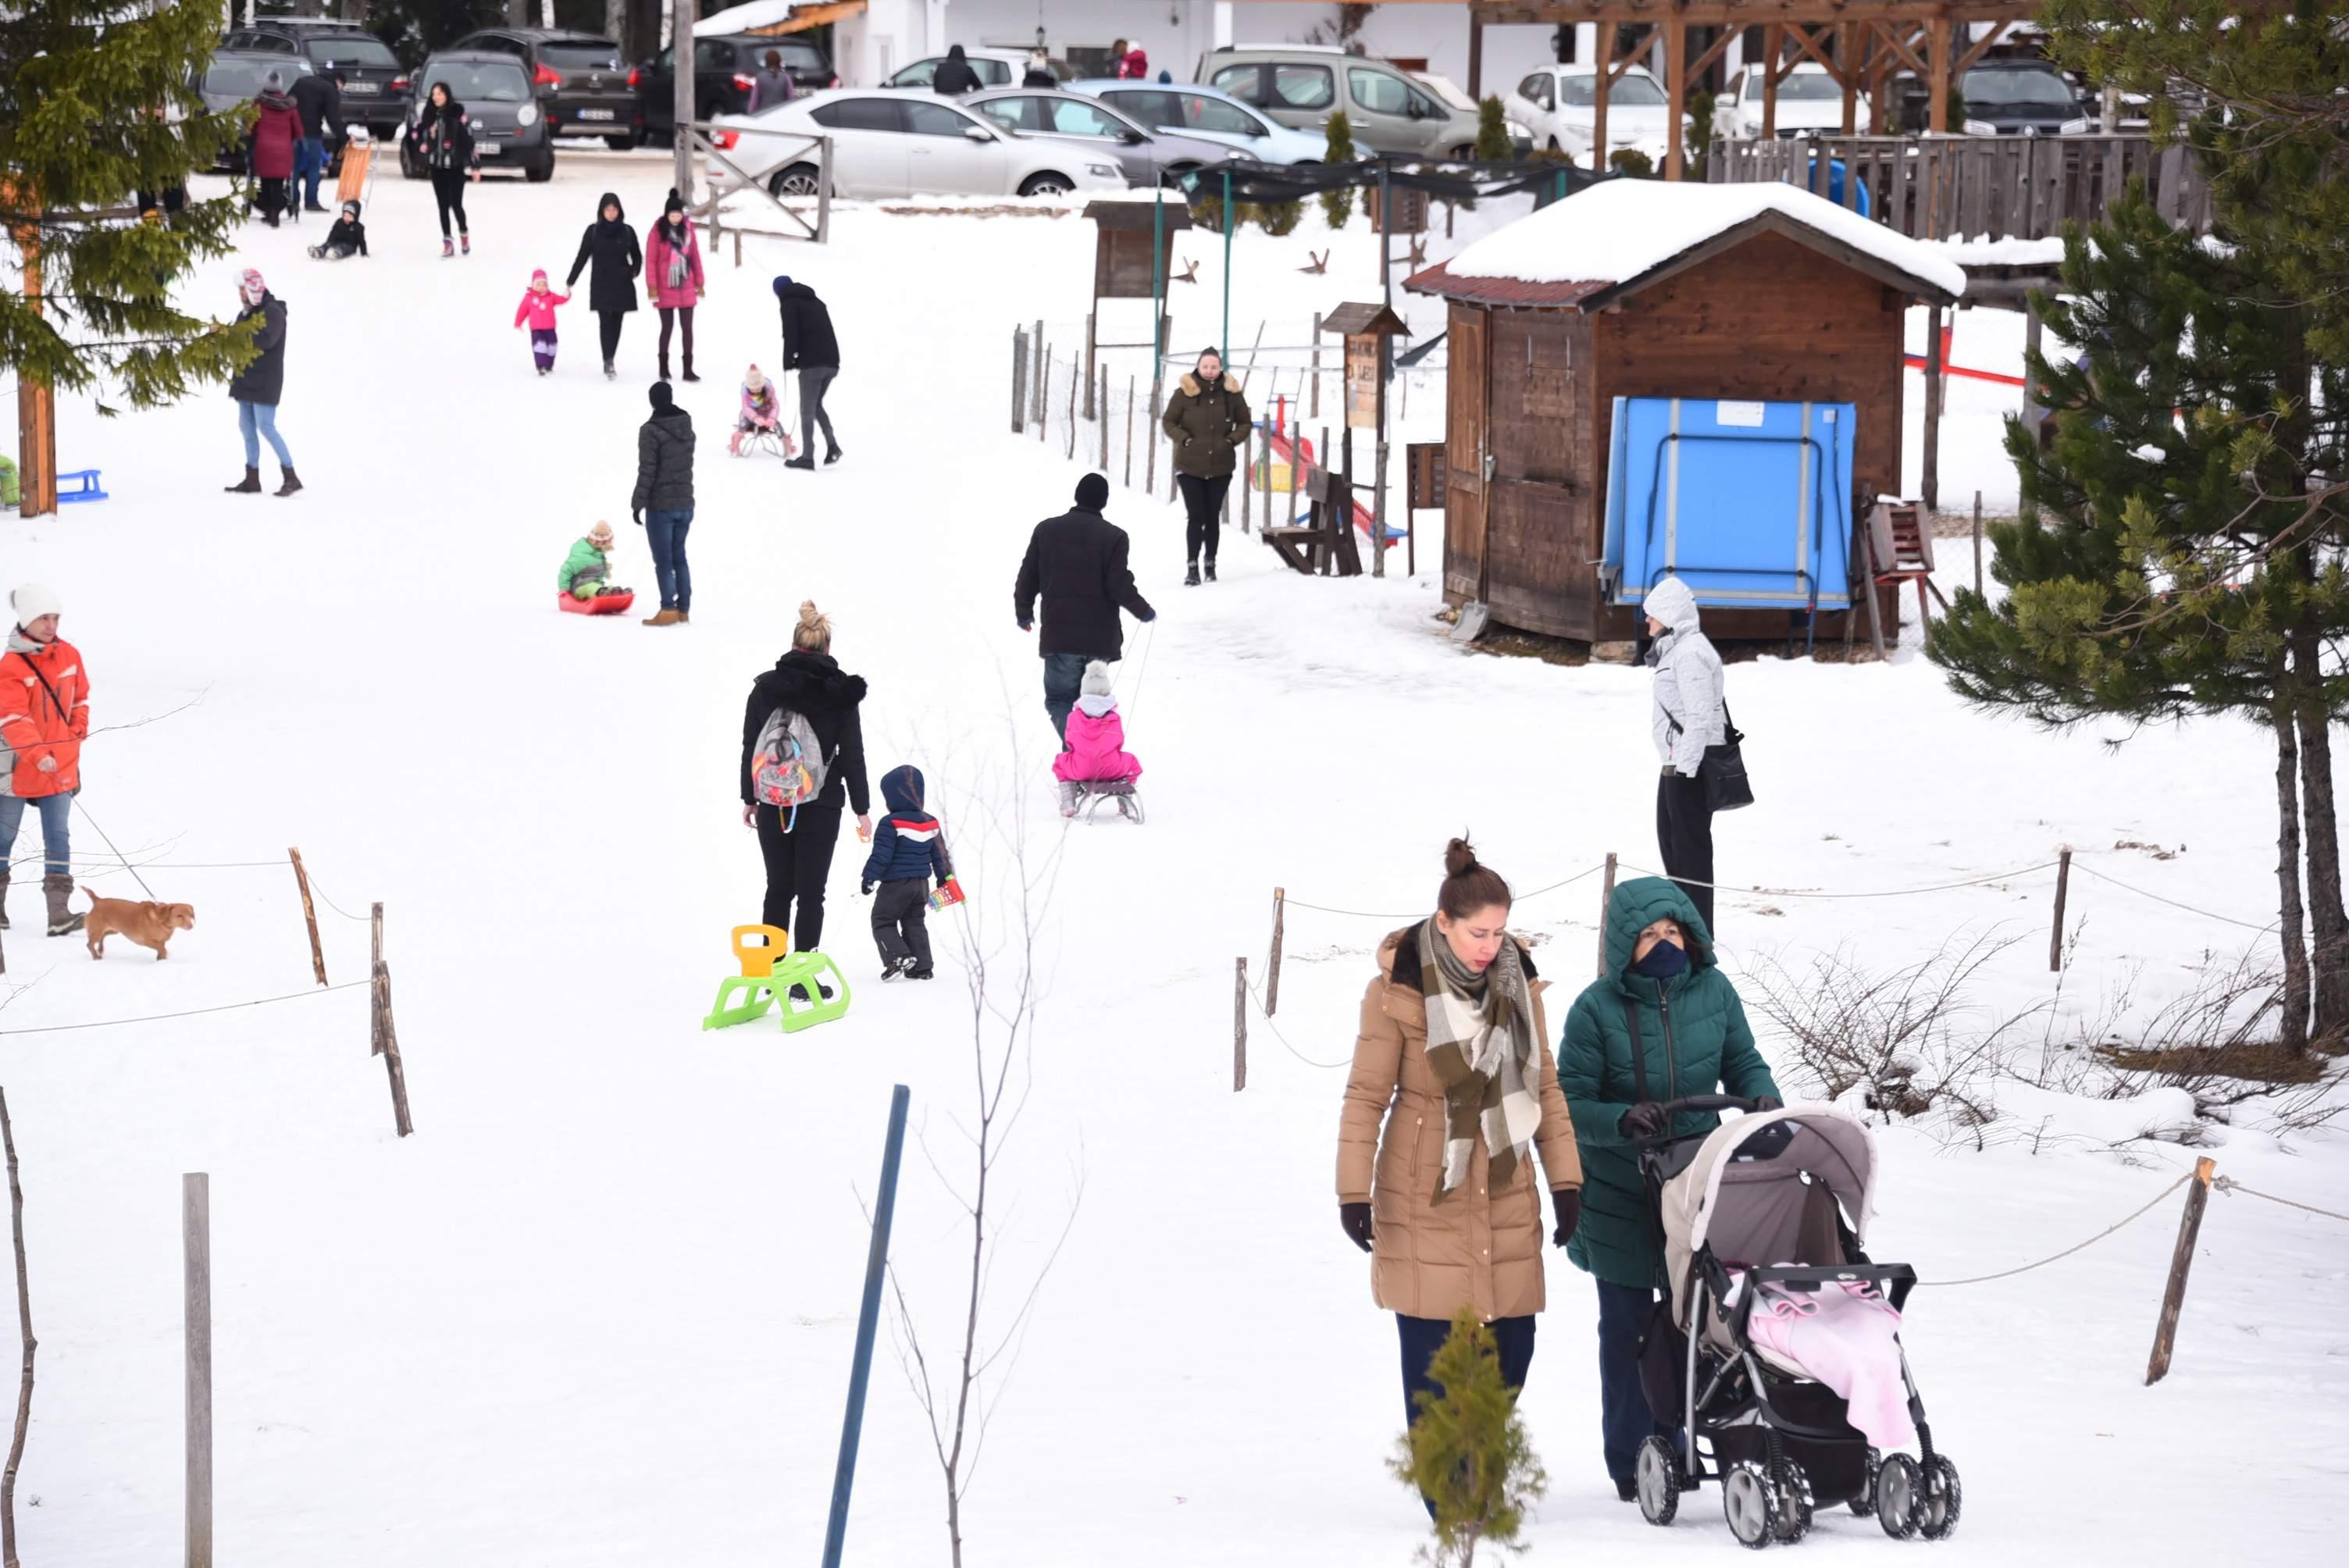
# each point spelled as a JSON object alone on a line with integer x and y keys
{"x": 663, "y": 502}
{"x": 810, "y": 348}
{"x": 1076, "y": 564}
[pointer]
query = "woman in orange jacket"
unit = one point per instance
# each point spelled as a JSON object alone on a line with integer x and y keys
{"x": 44, "y": 719}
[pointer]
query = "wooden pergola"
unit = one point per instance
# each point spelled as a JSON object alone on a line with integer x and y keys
{"x": 1860, "y": 44}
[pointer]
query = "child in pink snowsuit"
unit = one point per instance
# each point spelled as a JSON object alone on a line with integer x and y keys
{"x": 537, "y": 311}
{"x": 1096, "y": 750}
{"x": 761, "y": 411}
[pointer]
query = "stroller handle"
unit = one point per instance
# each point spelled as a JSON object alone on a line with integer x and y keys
{"x": 1711, "y": 1102}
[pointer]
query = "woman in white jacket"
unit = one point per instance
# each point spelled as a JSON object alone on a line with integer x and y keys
{"x": 1688, "y": 716}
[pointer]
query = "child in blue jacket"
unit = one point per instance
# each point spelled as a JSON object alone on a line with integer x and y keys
{"x": 908, "y": 849}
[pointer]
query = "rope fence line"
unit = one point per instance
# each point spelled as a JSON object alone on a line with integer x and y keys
{"x": 2137, "y": 1213}
{"x": 1256, "y": 996}
{"x": 2173, "y": 903}
{"x": 189, "y": 1013}
{"x": 2230, "y": 1185}
{"x": 1295, "y": 903}
{"x": 1874, "y": 892}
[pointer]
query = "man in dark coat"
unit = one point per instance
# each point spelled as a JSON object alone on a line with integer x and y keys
{"x": 810, "y": 348}
{"x": 318, "y": 99}
{"x": 1076, "y": 563}
{"x": 663, "y": 502}
{"x": 259, "y": 385}
{"x": 955, "y": 73}
{"x": 610, "y": 246}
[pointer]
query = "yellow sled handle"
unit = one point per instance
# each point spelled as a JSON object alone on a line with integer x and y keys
{"x": 759, "y": 958}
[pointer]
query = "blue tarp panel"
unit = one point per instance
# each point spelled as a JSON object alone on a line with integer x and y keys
{"x": 1750, "y": 503}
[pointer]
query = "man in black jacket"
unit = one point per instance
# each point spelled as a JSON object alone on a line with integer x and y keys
{"x": 318, "y": 99}
{"x": 1077, "y": 563}
{"x": 955, "y": 75}
{"x": 810, "y": 348}
{"x": 663, "y": 502}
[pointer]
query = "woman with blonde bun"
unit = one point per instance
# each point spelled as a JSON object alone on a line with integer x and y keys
{"x": 802, "y": 737}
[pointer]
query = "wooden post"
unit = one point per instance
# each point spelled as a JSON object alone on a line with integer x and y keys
{"x": 309, "y": 916}
{"x": 682, "y": 14}
{"x": 1150, "y": 447}
{"x": 1598, "y": 109}
{"x": 25, "y": 1332}
{"x": 1129, "y": 432}
{"x": 1018, "y": 379}
{"x": 1475, "y": 57}
{"x": 1932, "y": 452}
{"x": 374, "y": 991}
{"x": 1100, "y": 419}
{"x": 392, "y": 1067}
{"x": 1043, "y": 394}
{"x": 36, "y": 419}
{"x": 1239, "y": 1026}
{"x": 1774, "y": 44}
{"x": 1605, "y": 898}
{"x": 1977, "y": 587}
{"x": 1676, "y": 93}
{"x": 1074, "y": 377}
{"x": 196, "y": 1258}
{"x": 1937, "y": 32}
{"x": 2031, "y": 411}
{"x": 1036, "y": 373}
{"x": 1847, "y": 62}
{"x": 1314, "y": 397}
{"x": 2063, "y": 887}
{"x": 2173, "y": 1297}
{"x": 1272, "y": 965}
{"x": 1093, "y": 349}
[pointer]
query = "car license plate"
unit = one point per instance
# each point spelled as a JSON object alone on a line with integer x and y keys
{"x": 363, "y": 89}
{"x": 485, "y": 147}
{"x": 595, "y": 114}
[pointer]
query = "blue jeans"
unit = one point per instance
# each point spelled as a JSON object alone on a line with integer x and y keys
{"x": 256, "y": 419}
{"x": 1064, "y": 679}
{"x": 309, "y": 164}
{"x": 1623, "y": 1414}
{"x": 57, "y": 814}
{"x": 1512, "y": 1346}
{"x": 666, "y": 530}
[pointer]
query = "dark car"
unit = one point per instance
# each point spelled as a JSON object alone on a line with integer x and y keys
{"x": 581, "y": 82}
{"x": 510, "y": 129}
{"x": 232, "y": 76}
{"x": 724, "y": 70}
{"x": 2007, "y": 97}
{"x": 375, "y": 86}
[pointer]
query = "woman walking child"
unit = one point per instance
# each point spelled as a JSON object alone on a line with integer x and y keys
{"x": 609, "y": 245}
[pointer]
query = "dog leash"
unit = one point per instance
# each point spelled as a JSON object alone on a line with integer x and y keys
{"x": 118, "y": 853}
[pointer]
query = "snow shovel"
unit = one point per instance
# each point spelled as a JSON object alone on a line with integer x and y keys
{"x": 1476, "y": 616}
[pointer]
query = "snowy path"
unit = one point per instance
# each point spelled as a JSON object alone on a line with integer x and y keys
{"x": 599, "y": 1309}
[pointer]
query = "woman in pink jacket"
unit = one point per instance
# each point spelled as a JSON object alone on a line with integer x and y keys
{"x": 673, "y": 277}
{"x": 1096, "y": 750}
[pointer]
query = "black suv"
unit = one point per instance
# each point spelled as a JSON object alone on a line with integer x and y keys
{"x": 723, "y": 71}
{"x": 375, "y": 85}
{"x": 2016, "y": 95}
{"x": 583, "y": 85}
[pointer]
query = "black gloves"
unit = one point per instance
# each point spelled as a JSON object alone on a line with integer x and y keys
{"x": 639, "y": 513}
{"x": 1355, "y": 1219}
{"x": 864, "y": 888}
{"x": 1645, "y": 1120}
{"x": 1768, "y": 1102}
{"x": 1568, "y": 1203}
{"x": 1152, "y": 616}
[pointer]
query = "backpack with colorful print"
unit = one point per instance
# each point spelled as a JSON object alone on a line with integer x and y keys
{"x": 788, "y": 769}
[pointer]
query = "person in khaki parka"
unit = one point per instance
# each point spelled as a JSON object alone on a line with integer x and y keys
{"x": 1449, "y": 1223}
{"x": 1208, "y": 419}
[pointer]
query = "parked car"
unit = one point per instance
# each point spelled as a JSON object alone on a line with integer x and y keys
{"x": 996, "y": 68}
{"x": 1456, "y": 98}
{"x": 509, "y": 127}
{"x": 233, "y": 76}
{"x": 375, "y": 84}
{"x": 1301, "y": 85}
{"x": 582, "y": 85}
{"x": 723, "y": 72}
{"x": 1088, "y": 125}
{"x": 1559, "y": 104}
{"x": 891, "y": 143}
{"x": 1809, "y": 101}
{"x": 1208, "y": 115}
{"x": 2016, "y": 97}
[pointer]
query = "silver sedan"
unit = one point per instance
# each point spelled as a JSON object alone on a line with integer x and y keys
{"x": 1147, "y": 157}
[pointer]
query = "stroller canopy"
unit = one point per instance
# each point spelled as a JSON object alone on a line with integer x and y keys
{"x": 1765, "y": 1190}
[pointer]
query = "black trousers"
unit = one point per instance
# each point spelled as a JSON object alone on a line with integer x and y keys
{"x": 798, "y": 864}
{"x": 1684, "y": 837}
{"x": 900, "y": 911}
{"x": 669, "y": 315}
{"x": 448, "y": 191}
{"x": 607, "y": 327}
{"x": 1203, "y": 510}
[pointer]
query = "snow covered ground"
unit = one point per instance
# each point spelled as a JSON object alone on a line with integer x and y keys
{"x": 599, "y": 1309}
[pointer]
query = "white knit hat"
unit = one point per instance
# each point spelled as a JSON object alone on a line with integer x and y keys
{"x": 1096, "y": 682}
{"x": 32, "y": 601}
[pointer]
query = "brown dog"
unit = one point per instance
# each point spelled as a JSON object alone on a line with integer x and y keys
{"x": 148, "y": 925}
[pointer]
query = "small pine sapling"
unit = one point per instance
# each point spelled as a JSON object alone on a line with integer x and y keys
{"x": 1491, "y": 133}
{"x": 1632, "y": 162}
{"x": 1337, "y": 205}
{"x": 1467, "y": 1451}
{"x": 1275, "y": 217}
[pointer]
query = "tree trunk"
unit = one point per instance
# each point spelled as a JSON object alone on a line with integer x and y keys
{"x": 2292, "y": 1032}
{"x": 2328, "y": 919}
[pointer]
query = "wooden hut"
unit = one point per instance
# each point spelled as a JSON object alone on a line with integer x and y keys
{"x": 1637, "y": 288}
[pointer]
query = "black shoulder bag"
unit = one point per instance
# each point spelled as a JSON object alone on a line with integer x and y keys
{"x": 1722, "y": 771}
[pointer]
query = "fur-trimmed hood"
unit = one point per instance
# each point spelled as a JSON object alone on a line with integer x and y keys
{"x": 1192, "y": 386}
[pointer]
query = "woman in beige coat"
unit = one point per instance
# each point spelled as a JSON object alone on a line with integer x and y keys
{"x": 1454, "y": 1062}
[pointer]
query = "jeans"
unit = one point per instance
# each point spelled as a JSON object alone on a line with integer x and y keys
{"x": 815, "y": 380}
{"x": 607, "y": 328}
{"x": 257, "y": 420}
{"x": 1685, "y": 838}
{"x": 1624, "y": 1417}
{"x": 901, "y": 911}
{"x": 798, "y": 865}
{"x": 1203, "y": 508}
{"x": 57, "y": 814}
{"x": 1512, "y": 1346}
{"x": 666, "y": 532}
{"x": 309, "y": 166}
{"x": 1064, "y": 678}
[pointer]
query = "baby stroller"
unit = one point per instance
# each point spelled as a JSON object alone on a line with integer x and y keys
{"x": 1773, "y": 1207}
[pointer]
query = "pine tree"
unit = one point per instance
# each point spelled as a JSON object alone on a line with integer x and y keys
{"x": 1491, "y": 133}
{"x": 1337, "y": 205}
{"x": 1467, "y": 1450}
{"x": 89, "y": 115}
{"x": 2176, "y": 557}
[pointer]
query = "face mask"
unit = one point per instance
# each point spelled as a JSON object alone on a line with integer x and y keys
{"x": 1663, "y": 961}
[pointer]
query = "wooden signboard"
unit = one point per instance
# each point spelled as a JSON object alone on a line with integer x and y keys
{"x": 1424, "y": 482}
{"x": 1363, "y": 382}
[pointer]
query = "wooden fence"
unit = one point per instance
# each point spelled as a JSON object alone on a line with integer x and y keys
{"x": 1968, "y": 187}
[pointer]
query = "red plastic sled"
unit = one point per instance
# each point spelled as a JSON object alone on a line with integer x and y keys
{"x": 602, "y": 605}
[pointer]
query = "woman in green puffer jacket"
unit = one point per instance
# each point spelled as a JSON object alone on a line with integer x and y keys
{"x": 1694, "y": 1040}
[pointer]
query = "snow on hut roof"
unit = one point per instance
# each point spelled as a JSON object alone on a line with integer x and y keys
{"x": 1619, "y": 231}
{"x": 742, "y": 19}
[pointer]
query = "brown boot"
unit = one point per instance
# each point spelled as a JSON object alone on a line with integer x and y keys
{"x": 63, "y": 922}
{"x": 292, "y": 486}
{"x": 4, "y": 898}
{"x": 665, "y": 618}
{"x": 683, "y": 619}
{"x": 249, "y": 485}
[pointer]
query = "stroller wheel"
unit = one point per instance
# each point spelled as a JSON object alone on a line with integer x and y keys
{"x": 1936, "y": 1513}
{"x": 1863, "y": 1505}
{"x": 1750, "y": 1503}
{"x": 1656, "y": 1476}
{"x": 1795, "y": 1502}
{"x": 1900, "y": 1490}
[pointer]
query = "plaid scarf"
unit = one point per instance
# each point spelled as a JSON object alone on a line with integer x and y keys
{"x": 1482, "y": 1046}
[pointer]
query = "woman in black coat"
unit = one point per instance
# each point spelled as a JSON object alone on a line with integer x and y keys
{"x": 611, "y": 245}
{"x": 807, "y": 681}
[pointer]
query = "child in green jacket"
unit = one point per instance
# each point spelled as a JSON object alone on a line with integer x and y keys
{"x": 585, "y": 570}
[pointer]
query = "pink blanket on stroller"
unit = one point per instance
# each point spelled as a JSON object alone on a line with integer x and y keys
{"x": 1844, "y": 1336}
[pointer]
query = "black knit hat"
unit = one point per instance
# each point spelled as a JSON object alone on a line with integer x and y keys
{"x": 660, "y": 394}
{"x": 1092, "y": 493}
